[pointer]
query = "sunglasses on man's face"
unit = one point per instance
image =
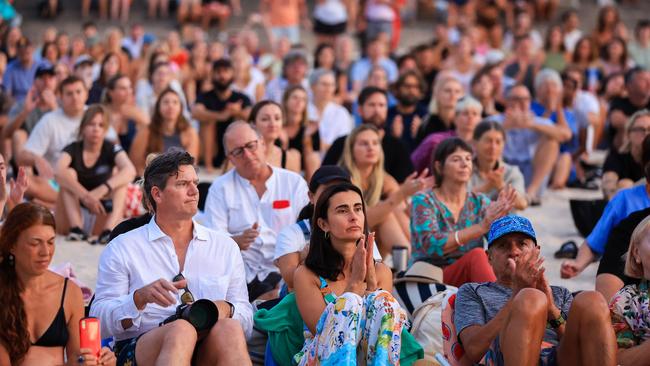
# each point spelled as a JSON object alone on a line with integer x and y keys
{"x": 186, "y": 296}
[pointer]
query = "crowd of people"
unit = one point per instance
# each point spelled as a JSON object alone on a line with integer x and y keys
{"x": 334, "y": 168}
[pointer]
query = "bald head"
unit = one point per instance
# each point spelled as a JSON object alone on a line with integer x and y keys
{"x": 238, "y": 129}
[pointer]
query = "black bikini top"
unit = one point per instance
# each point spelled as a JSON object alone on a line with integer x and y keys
{"x": 57, "y": 334}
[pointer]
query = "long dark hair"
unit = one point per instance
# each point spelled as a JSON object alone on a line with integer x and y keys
{"x": 111, "y": 84}
{"x": 103, "y": 78}
{"x": 258, "y": 107}
{"x": 155, "y": 142}
{"x": 322, "y": 258}
{"x": 14, "y": 334}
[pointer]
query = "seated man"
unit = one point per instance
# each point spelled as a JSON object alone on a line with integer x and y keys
{"x": 135, "y": 292}
{"x": 532, "y": 142}
{"x": 53, "y": 132}
{"x": 520, "y": 319}
{"x": 252, "y": 203}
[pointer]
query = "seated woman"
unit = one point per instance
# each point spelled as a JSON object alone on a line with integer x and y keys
{"x": 39, "y": 322}
{"x": 298, "y": 132}
{"x": 448, "y": 222}
{"x": 93, "y": 173}
{"x": 630, "y": 307}
{"x": 124, "y": 116}
{"x": 343, "y": 295}
{"x": 490, "y": 173}
{"x": 447, "y": 90}
{"x": 363, "y": 157}
{"x": 623, "y": 168}
{"x": 268, "y": 117}
{"x": 169, "y": 128}
{"x": 467, "y": 116}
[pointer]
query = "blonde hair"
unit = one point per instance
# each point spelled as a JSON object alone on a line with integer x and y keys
{"x": 441, "y": 80}
{"x": 372, "y": 195}
{"x": 625, "y": 147}
{"x": 633, "y": 266}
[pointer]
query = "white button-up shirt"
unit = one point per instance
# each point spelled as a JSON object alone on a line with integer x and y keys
{"x": 233, "y": 206}
{"x": 213, "y": 268}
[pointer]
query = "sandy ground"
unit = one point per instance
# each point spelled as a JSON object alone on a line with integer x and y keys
{"x": 552, "y": 220}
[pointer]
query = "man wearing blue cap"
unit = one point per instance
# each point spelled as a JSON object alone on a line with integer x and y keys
{"x": 520, "y": 319}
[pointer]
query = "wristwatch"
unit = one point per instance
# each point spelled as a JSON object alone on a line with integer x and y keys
{"x": 557, "y": 322}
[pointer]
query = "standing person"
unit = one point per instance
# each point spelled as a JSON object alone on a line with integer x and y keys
{"x": 39, "y": 324}
{"x": 284, "y": 18}
{"x": 267, "y": 117}
{"x": 168, "y": 129}
{"x": 19, "y": 75}
{"x": 252, "y": 203}
{"x": 448, "y": 222}
{"x": 144, "y": 273}
{"x": 55, "y": 130}
{"x": 93, "y": 173}
{"x": 331, "y": 19}
{"x": 343, "y": 295}
{"x": 217, "y": 109}
{"x": 520, "y": 319}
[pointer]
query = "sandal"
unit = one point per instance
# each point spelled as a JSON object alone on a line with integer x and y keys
{"x": 568, "y": 250}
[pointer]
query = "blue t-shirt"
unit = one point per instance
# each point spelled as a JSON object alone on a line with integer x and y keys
{"x": 574, "y": 143}
{"x": 623, "y": 204}
{"x": 18, "y": 80}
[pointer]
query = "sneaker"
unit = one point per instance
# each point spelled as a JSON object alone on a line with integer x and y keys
{"x": 76, "y": 234}
{"x": 102, "y": 238}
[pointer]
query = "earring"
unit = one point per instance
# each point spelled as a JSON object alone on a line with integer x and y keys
{"x": 11, "y": 260}
{"x": 327, "y": 235}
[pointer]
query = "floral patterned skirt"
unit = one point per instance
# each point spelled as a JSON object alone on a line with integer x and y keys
{"x": 356, "y": 330}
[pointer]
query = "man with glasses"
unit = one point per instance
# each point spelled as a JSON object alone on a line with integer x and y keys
{"x": 146, "y": 273}
{"x": 252, "y": 203}
{"x": 532, "y": 142}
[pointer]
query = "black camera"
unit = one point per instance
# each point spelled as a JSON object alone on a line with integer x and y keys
{"x": 202, "y": 314}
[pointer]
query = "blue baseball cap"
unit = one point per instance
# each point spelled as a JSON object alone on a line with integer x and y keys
{"x": 510, "y": 224}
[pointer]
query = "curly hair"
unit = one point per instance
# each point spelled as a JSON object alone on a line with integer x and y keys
{"x": 14, "y": 334}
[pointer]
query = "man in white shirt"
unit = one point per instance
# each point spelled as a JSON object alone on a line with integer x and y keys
{"x": 135, "y": 292}
{"x": 54, "y": 131}
{"x": 333, "y": 119}
{"x": 252, "y": 203}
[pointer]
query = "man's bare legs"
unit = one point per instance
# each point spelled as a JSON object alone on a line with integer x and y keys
{"x": 589, "y": 337}
{"x": 172, "y": 344}
{"x": 224, "y": 345}
{"x": 522, "y": 334}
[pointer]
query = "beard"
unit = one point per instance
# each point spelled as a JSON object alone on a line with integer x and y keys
{"x": 375, "y": 120}
{"x": 222, "y": 86}
{"x": 408, "y": 100}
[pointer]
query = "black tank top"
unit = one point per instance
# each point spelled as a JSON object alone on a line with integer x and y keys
{"x": 57, "y": 334}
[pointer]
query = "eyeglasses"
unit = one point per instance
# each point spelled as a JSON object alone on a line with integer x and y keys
{"x": 186, "y": 296}
{"x": 239, "y": 151}
{"x": 642, "y": 130}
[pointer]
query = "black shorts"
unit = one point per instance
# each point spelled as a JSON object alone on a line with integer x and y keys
{"x": 125, "y": 351}
{"x": 329, "y": 29}
{"x": 257, "y": 288}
